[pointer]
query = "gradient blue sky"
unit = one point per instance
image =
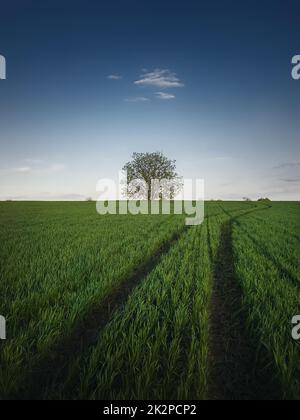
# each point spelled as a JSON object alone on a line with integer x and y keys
{"x": 226, "y": 106}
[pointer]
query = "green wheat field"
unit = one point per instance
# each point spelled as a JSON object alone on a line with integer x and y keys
{"x": 144, "y": 307}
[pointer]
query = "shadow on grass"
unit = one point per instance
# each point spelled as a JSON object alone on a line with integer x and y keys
{"x": 54, "y": 368}
{"x": 240, "y": 368}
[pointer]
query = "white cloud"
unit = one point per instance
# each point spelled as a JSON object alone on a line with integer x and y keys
{"x": 291, "y": 180}
{"x": 115, "y": 77}
{"x": 56, "y": 167}
{"x": 165, "y": 96}
{"x": 44, "y": 196}
{"x": 37, "y": 167}
{"x": 22, "y": 169}
{"x": 17, "y": 170}
{"x": 288, "y": 165}
{"x": 31, "y": 161}
{"x": 137, "y": 99}
{"x": 221, "y": 158}
{"x": 159, "y": 78}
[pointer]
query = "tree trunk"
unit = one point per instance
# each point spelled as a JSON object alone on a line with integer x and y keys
{"x": 149, "y": 192}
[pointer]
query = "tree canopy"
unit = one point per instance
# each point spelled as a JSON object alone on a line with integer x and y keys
{"x": 158, "y": 173}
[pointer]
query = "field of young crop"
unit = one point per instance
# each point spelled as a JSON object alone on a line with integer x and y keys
{"x": 143, "y": 307}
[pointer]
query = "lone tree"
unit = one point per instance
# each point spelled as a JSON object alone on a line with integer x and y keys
{"x": 150, "y": 167}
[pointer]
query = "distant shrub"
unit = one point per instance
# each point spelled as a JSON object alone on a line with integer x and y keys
{"x": 264, "y": 199}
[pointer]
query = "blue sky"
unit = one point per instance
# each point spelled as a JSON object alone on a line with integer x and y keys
{"x": 207, "y": 83}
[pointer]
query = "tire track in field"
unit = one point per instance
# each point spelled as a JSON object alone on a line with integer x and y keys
{"x": 279, "y": 227}
{"x": 237, "y": 371}
{"x": 231, "y": 360}
{"x": 283, "y": 270}
{"x": 54, "y": 367}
